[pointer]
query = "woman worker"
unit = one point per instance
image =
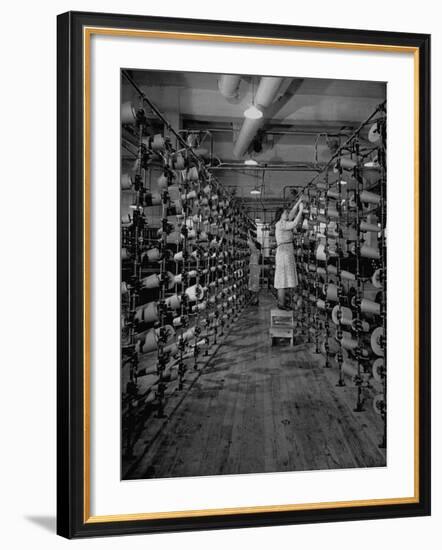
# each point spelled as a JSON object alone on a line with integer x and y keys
{"x": 285, "y": 268}
{"x": 254, "y": 269}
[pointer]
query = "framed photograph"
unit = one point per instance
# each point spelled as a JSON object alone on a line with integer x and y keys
{"x": 243, "y": 274}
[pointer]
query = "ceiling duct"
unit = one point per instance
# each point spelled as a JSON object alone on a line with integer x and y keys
{"x": 228, "y": 85}
{"x": 267, "y": 90}
{"x": 264, "y": 97}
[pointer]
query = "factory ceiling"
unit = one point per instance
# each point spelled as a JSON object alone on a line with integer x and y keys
{"x": 295, "y": 136}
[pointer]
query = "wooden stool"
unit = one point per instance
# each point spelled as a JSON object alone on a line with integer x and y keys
{"x": 282, "y": 325}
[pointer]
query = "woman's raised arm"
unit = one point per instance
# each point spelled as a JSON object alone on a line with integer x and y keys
{"x": 295, "y": 222}
{"x": 292, "y": 212}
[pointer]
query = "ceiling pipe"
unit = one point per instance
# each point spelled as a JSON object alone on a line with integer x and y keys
{"x": 270, "y": 132}
{"x": 265, "y": 95}
{"x": 248, "y": 131}
{"x": 237, "y": 166}
{"x": 267, "y": 90}
{"x": 228, "y": 85}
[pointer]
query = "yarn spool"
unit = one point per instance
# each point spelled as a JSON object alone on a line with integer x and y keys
{"x": 368, "y": 306}
{"x": 372, "y": 165}
{"x": 187, "y": 335}
{"x": 320, "y": 253}
{"x": 192, "y": 174}
{"x": 366, "y": 251}
{"x": 364, "y": 326}
{"x": 195, "y": 292}
{"x": 199, "y": 307}
{"x": 377, "y": 341}
{"x": 148, "y": 343}
{"x": 163, "y": 182}
{"x": 376, "y": 279}
{"x": 372, "y": 227}
{"x": 174, "y": 208}
{"x": 171, "y": 349}
{"x": 347, "y": 275}
{"x": 351, "y": 234}
{"x": 348, "y": 342}
{"x": 177, "y": 279}
{"x": 378, "y": 369}
{"x": 128, "y": 113}
{"x": 126, "y": 182}
{"x": 158, "y": 143}
{"x": 332, "y": 213}
{"x": 331, "y": 292}
{"x": 123, "y": 287}
{"x": 371, "y": 293}
{"x": 178, "y": 162}
{"x": 147, "y": 313}
{"x": 346, "y": 315}
{"x": 347, "y": 164}
{"x": 173, "y": 302}
{"x": 351, "y": 344}
{"x": 174, "y": 238}
{"x": 151, "y": 199}
{"x": 166, "y": 332}
{"x": 374, "y": 134}
{"x": 152, "y": 255}
{"x": 126, "y": 220}
{"x": 379, "y": 404}
{"x": 188, "y": 196}
{"x": 178, "y": 321}
{"x": 179, "y": 256}
{"x": 152, "y": 281}
{"x": 371, "y": 198}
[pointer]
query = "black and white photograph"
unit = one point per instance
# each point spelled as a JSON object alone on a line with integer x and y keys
{"x": 253, "y": 274}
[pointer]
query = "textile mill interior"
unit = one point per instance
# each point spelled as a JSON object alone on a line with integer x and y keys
{"x": 253, "y": 274}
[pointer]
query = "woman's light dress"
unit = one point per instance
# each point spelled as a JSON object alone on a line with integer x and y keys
{"x": 285, "y": 268}
{"x": 254, "y": 267}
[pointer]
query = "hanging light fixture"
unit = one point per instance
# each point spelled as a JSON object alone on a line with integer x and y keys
{"x": 253, "y": 112}
{"x": 256, "y": 190}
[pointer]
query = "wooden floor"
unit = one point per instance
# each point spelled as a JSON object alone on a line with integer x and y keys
{"x": 258, "y": 408}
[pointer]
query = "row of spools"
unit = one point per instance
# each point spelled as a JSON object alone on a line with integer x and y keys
{"x": 184, "y": 264}
{"x": 341, "y": 299}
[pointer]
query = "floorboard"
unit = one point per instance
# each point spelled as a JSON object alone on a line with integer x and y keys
{"x": 258, "y": 408}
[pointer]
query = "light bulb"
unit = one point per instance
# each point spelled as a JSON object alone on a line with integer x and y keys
{"x": 253, "y": 112}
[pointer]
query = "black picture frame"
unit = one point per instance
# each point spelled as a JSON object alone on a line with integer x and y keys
{"x": 71, "y": 519}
